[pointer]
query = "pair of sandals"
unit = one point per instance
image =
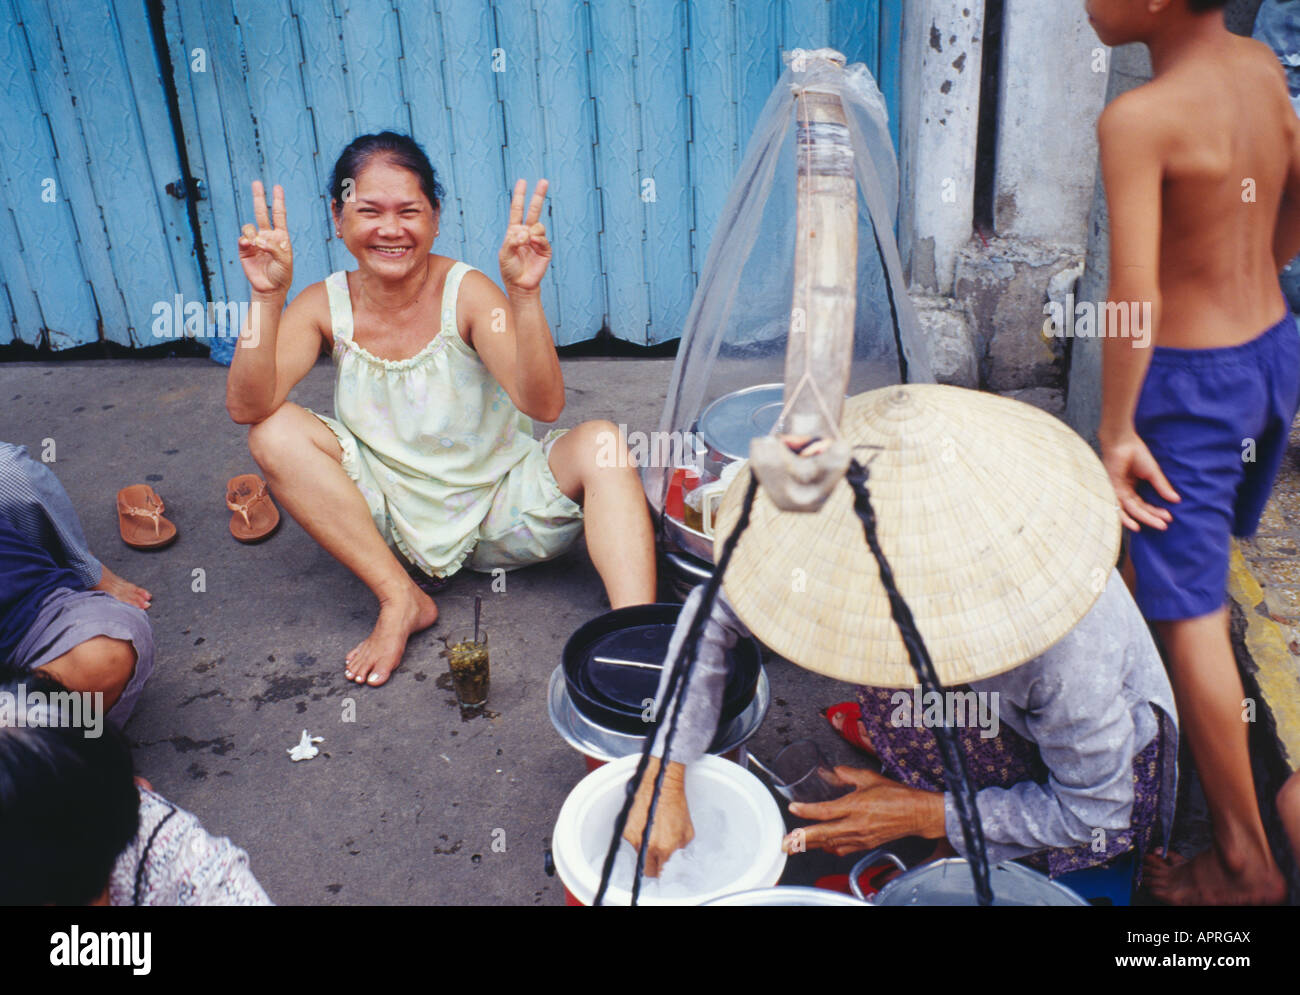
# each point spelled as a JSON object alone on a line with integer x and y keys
{"x": 142, "y": 525}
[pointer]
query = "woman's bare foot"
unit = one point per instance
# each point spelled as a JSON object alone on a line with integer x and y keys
{"x": 376, "y": 657}
{"x": 125, "y": 592}
{"x": 1207, "y": 880}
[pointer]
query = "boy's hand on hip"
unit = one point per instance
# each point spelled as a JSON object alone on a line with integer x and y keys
{"x": 525, "y": 252}
{"x": 1128, "y": 460}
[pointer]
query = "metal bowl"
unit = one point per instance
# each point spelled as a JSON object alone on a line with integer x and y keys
{"x": 599, "y": 743}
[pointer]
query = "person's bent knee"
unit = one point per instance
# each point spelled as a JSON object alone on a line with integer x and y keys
{"x": 119, "y": 668}
{"x": 601, "y": 445}
{"x": 270, "y": 439}
{"x": 101, "y": 664}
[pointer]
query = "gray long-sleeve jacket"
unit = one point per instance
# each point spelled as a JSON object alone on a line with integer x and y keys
{"x": 1086, "y": 702}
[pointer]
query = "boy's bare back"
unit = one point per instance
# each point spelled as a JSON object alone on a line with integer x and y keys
{"x": 1211, "y": 144}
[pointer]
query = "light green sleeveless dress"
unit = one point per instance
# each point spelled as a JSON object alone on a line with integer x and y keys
{"x": 446, "y": 463}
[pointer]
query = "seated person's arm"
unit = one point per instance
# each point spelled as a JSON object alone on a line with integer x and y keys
{"x": 278, "y": 346}
{"x": 270, "y": 363}
{"x": 1084, "y": 733}
{"x": 510, "y": 333}
{"x": 701, "y": 707}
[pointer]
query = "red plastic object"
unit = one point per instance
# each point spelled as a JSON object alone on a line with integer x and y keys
{"x": 675, "y": 506}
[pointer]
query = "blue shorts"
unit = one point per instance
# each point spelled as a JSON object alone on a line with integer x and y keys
{"x": 1217, "y": 422}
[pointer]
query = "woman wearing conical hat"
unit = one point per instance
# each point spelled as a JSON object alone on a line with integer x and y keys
{"x": 1001, "y": 530}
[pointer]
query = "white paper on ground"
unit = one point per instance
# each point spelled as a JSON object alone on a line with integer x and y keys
{"x": 305, "y": 750}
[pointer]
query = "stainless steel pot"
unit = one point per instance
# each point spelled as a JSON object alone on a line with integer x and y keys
{"x": 949, "y": 882}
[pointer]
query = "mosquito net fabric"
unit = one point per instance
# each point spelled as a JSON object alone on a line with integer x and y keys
{"x": 737, "y": 329}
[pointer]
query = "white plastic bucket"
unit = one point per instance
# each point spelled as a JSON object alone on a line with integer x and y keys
{"x": 586, "y": 822}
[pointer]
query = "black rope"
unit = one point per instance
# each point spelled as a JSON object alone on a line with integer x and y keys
{"x": 955, "y": 774}
{"x": 893, "y": 308}
{"x": 679, "y": 677}
{"x": 144, "y": 857}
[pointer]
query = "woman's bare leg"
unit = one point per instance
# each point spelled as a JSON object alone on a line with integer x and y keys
{"x": 301, "y": 460}
{"x": 615, "y": 517}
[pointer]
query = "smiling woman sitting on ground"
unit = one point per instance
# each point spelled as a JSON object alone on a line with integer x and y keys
{"x": 438, "y": 375}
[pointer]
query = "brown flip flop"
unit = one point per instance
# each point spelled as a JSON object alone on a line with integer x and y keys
{"x": 256, "y": 516}
{"x": 140, "y": 520}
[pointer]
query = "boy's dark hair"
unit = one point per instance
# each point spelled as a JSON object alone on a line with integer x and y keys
{"x": 68, "y": 803}
{"x": 400, "y": 150}
{"x": 1203, "y": 6}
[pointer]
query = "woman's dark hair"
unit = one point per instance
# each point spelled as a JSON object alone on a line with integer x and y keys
{"x": 68, "y": 802}
{"x": 400, "y": 150}
{"x": 1202, "y": 6}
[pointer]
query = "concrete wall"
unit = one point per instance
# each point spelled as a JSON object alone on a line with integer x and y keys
{"x": 981, "y": 301}
{"x": 1053, "y": 75}
{"x": 942, "y": 53}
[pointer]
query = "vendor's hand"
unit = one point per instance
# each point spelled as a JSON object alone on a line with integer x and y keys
{"x": 1128, "y": 460}
{"x": 879, "y": 811}
{"x": 525, "y": 253}
{"x": 264, "y": 250}
{"x": 672, "y": 829}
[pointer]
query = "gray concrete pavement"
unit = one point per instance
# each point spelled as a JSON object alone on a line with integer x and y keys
{"x": 402, "y": 804}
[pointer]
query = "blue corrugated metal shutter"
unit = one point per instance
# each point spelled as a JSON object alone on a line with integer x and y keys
{"x": 637, "y": 112}
{"x": 89, "y": 148}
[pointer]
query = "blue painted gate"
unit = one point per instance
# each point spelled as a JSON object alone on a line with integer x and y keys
{"x": 637, "y": 112}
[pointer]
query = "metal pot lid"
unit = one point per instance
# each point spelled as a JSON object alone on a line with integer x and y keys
{"x": 729, "y": 423}
{"x": 613, "y": 664}
{"x": 949, "y": 882}
{"x": 601, "y": 743}
{"x": 623, "y": 667}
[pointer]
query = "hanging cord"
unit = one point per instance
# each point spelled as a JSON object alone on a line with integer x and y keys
{"x": 893, "y": 308}
{"x": 144, "y": 857}
{"x": 680, "y": 676}
{"x": 955, "y": 774}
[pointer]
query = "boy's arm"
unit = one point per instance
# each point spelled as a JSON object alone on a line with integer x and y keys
{"x": 1132, "y": 171}
{"x": 1286, "y": 237}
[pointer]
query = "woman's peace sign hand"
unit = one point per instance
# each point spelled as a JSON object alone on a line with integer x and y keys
{"x": 525, "y": 253}
{"x": 264, "y": 251}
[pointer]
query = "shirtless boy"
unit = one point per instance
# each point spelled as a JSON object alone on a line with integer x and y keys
{"x": 1202, "y": 174}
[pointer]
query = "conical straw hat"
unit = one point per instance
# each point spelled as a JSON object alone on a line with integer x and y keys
{"x": 999, "y": 522}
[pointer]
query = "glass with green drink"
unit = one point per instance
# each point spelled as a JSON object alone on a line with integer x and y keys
{"x": 468, "y": 657}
